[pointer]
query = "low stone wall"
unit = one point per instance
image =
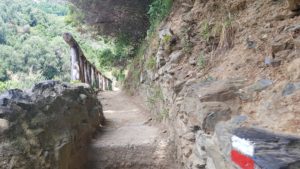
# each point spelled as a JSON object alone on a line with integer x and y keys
{"x": 48, "y": 126}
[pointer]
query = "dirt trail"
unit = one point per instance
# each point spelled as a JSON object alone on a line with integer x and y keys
{"x": 126, "y": 141}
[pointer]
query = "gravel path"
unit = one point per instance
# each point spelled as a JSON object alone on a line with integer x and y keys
{"x": 126, "y": 141}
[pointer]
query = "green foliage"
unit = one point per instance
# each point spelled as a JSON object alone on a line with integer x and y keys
{"x": 228, "y": 21}
{"x": 187, "y": 45}
{"x": 74, "y": 17}
{"x": 155, "y": 95}
{"x": 31, "y": 42}
{"x": 134, "y": 68}
{"x": 52, "y": 8}
{"x": 3, "y": 86}
{"x": 108, "y": 53}
{"x": 155, "y": 102}
{"x": 21, "y": 81}
{"x": 151, "y": 63}
{"x": 201, "y": 61}
{"x": 217, "y": 30}
{"x": 75, "y": 81}
{"x": 166, "y": 39}
{"x": 136, "y": 75}
{"x": 157, "y": 12}
{"x": 164, "y": 114}
{"x": 205, "y": 31}
{"x": 119, "y": 74}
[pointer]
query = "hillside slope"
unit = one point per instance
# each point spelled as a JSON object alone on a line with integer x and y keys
{"x": 218, "y": 69}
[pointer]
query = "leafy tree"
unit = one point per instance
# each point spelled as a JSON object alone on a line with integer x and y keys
{"x": 32, "y": 48}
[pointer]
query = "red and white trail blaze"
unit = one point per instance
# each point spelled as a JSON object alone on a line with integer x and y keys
{"x": 242, "y": 152}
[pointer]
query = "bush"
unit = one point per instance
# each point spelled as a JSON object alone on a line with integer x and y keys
{"x": 206, "y": 31}
{"x": 21, "y": 81}
{"x": 158, "y": 11}
{"x": 75, "y": 16}
{"x": 150, "y": 63}
{"x": 3, "y": 86}
{"x": 119, "y": 74}
{"x": 201, "y": 63}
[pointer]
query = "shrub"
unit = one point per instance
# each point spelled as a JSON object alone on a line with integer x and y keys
{"x": 205, "y": 31}
{"x": 157, "y": 12}
{"x": 150, "y": 63}
{"x": 201, "y": 61}
{"x": 21, "y": 81}
{"x": 119, "y": 74}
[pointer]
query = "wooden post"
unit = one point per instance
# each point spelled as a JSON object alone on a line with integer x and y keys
{"x": 74, "y": 65}
{"x": 106, "y": 84}
{"x": 82, "y": 69}
{"x": 109, "y": 84}
{"x": 92, "y": 76}
{"x": 96, "y": 78}
{"x": 75, "y": 72}
{"x": 85, "y": 72}
{"x": 88, "y": 73}
{"x": 103, "y": 83}
{"x": 99, "y": 82}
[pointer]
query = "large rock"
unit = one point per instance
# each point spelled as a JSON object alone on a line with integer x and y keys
{"x": 207, "y": 114}
{"x": 176, "y": 56}
{"x": 160, "y": 57}
{"x": 260, "y": 85}
{"x": 290, "y": 88}
{"x": 211, "y": 113}
{"x": 272, "y": 151}
{"x": 48, "y": 126}
{"x": 221, "y": 91}
{"x": 215, "y": 149}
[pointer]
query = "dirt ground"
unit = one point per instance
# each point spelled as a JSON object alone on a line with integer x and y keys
{"x": 127, "y": 140}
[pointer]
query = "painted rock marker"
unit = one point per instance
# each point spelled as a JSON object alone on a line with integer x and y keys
{"x": 242, "y": 145}
{"x": 256, "y": 148}
{"x": 242, "y": 152}
{"x": 242, "y": 160}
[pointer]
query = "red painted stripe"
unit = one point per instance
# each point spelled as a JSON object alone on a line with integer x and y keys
{"x": 241, "y": 160}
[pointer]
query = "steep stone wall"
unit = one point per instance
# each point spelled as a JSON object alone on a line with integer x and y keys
{"x": 48, "y": 126}
{"x": 225, "y": 71}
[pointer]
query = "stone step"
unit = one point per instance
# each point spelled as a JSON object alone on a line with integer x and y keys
{"x": 125, "y": 157}
{"x": 134, "y": 146}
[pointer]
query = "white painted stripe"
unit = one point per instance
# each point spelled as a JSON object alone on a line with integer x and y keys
{"x": 242, "y": 145}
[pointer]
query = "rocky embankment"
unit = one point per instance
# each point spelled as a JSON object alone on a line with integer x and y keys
{"x": 48, "y": 126}
{"x": 224, "y": 76}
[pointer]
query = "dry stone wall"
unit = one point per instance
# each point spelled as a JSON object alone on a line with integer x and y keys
{"x": 48, "y": 126}
{"x": 227, "y": 78}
